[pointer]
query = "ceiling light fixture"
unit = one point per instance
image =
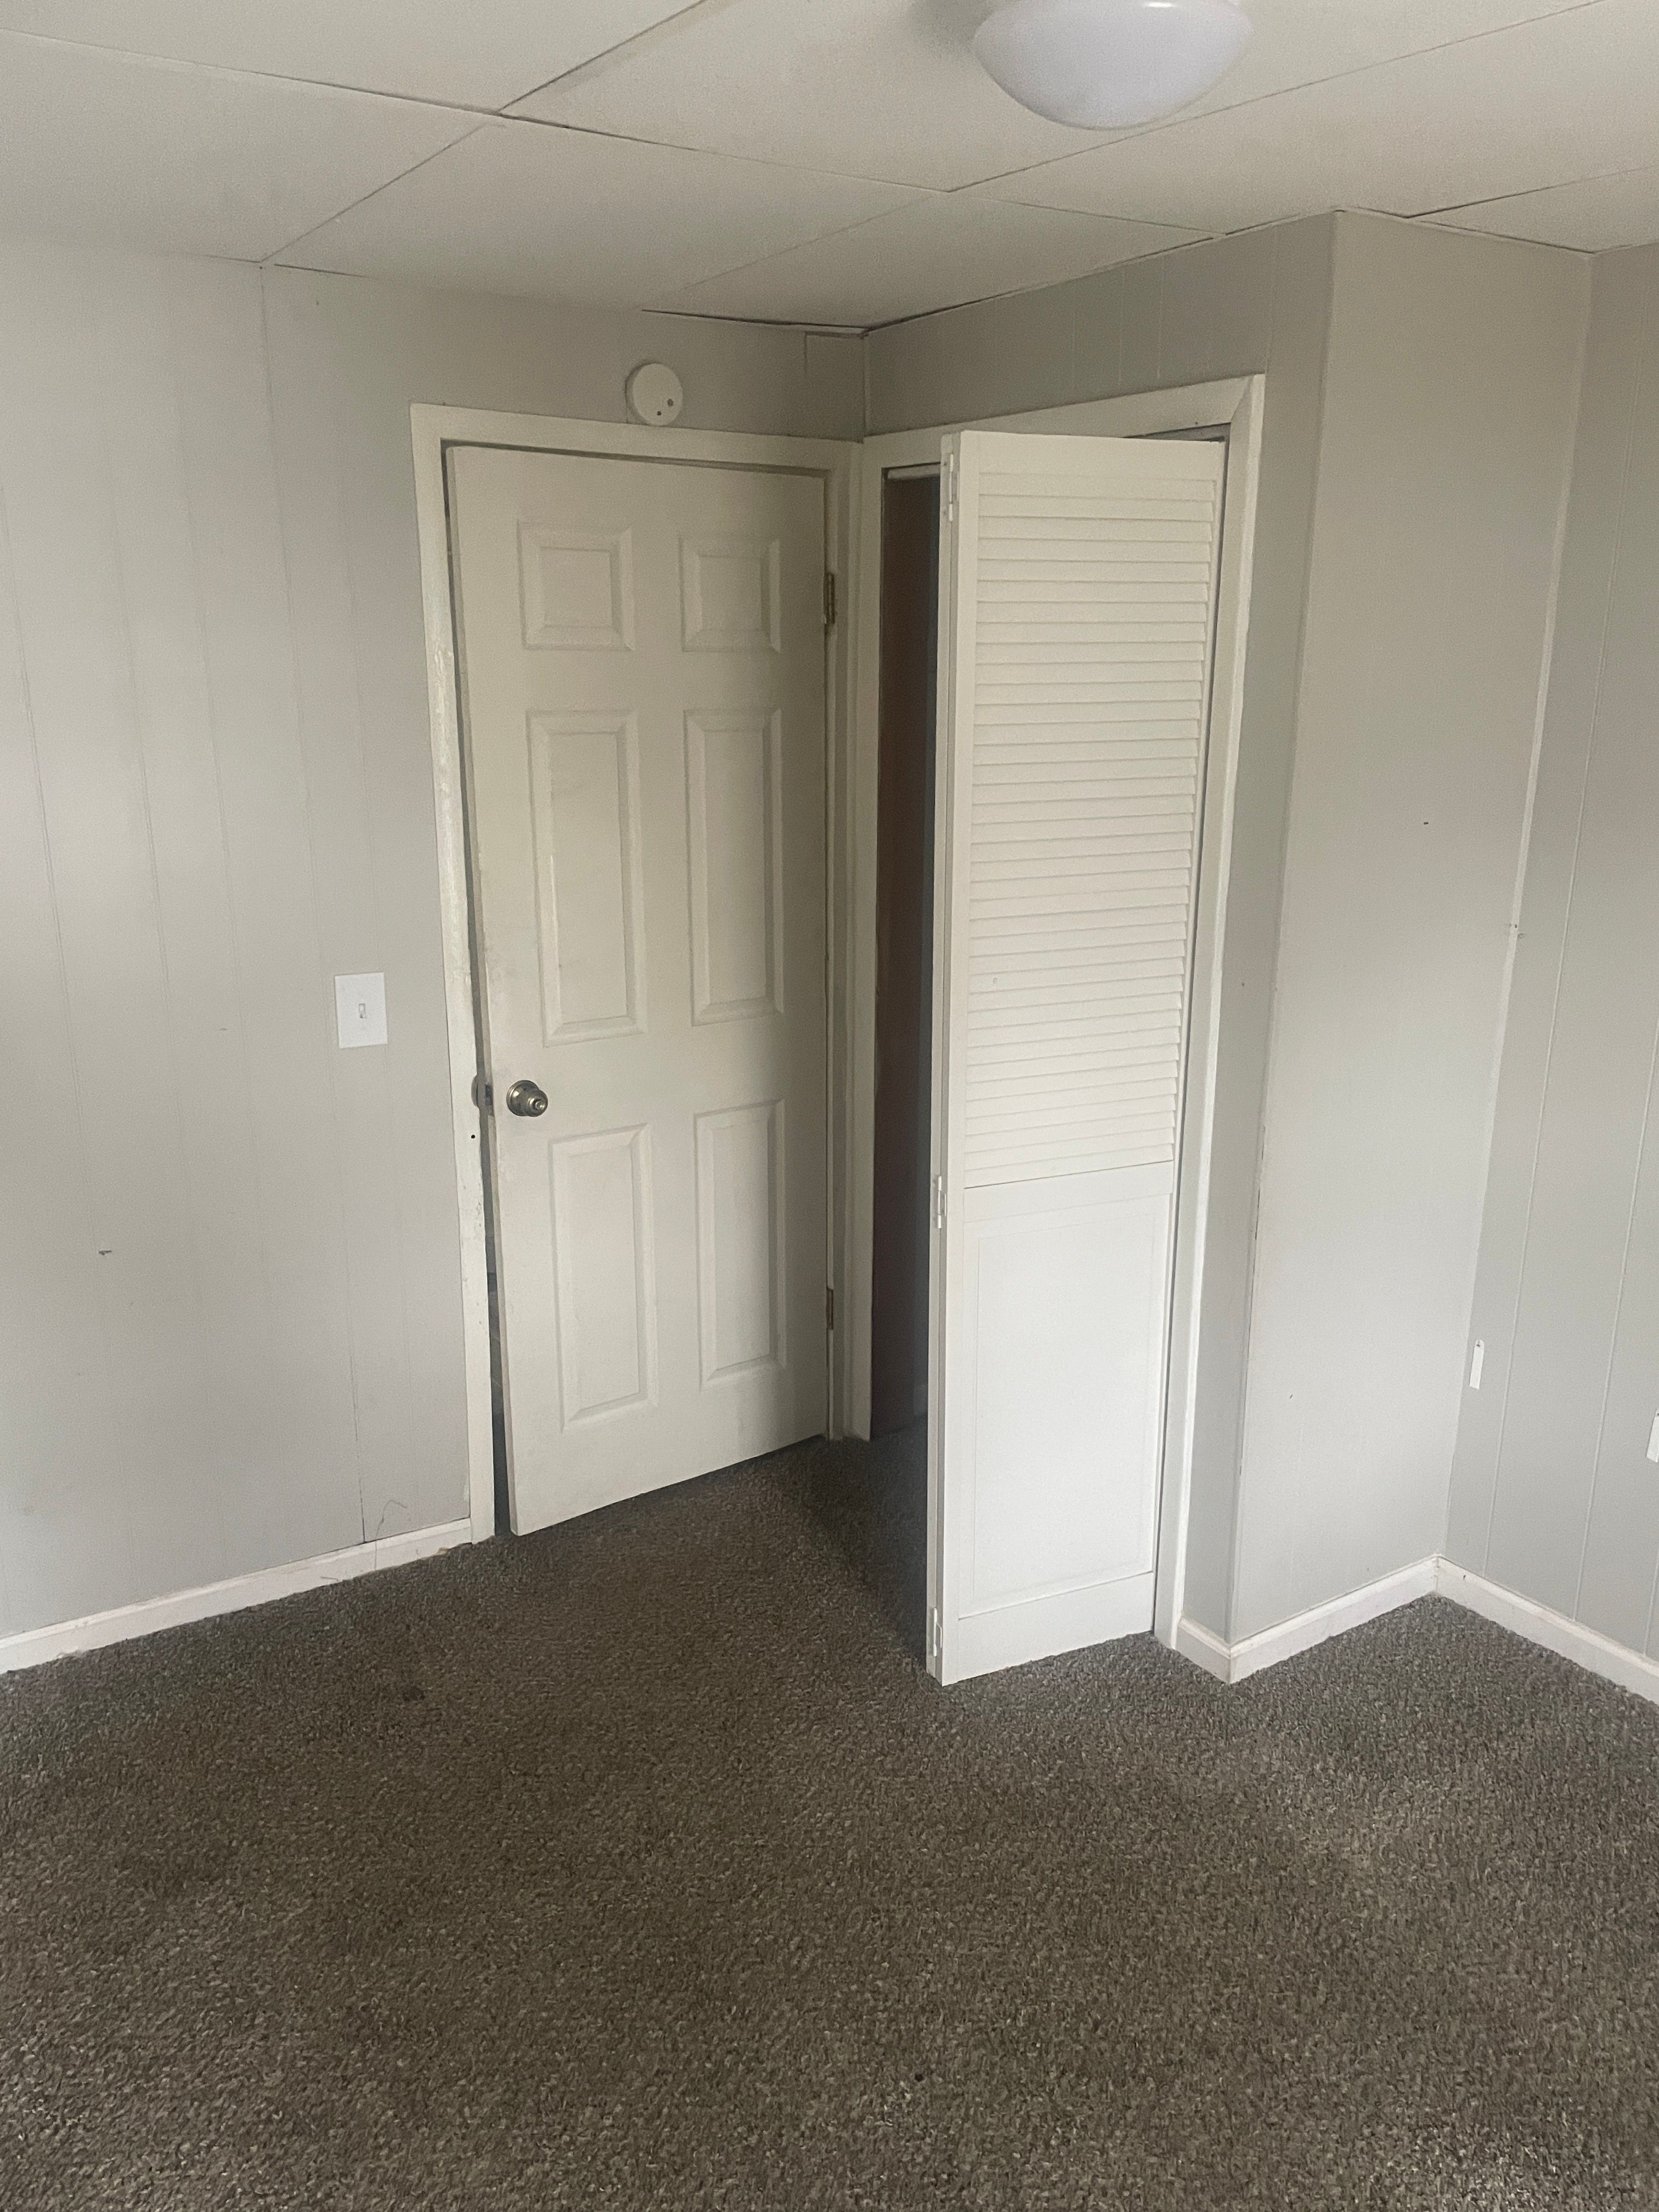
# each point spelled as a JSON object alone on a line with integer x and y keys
{"x": 1102, "y": 64}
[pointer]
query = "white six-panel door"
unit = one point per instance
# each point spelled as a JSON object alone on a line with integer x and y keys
{"x": 643, "y": 660}
{"x": 1077, "y": 580}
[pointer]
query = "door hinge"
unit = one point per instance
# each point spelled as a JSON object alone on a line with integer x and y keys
{"x": 938, "y": 1201}
{"x": 829, "y": 1311}
{"x": 828, "y": 599}
{"x": 947, "y": 487}
{"x": 933, "y": 1634}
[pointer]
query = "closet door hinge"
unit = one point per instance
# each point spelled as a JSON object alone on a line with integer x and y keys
{"x": 829, "y": 1311}
{"x": 947, "y": 487}
{"x": 933, "y": 1634}
{"x": 938, "y": 1201}
{"x": 828, "y": 599}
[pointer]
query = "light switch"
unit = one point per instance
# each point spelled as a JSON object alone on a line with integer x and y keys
{"x": 360, "y": 1009}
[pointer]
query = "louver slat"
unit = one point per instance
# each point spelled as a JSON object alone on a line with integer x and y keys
{"x": 1090, "y": 680}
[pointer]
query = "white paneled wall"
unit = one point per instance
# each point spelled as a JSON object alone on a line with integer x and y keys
{"x": 186, "y": 1363}
{"x": 229, "y": 1304}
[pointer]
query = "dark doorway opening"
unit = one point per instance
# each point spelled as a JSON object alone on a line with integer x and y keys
{"x": 905, "y": 951}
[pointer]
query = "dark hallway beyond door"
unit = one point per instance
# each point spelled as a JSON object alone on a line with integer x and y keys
{"x": 905, "y": 951}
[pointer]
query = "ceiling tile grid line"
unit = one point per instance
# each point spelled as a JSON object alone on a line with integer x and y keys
{"x": 1550, "y": 101}
{"x": 1216, "y": 103}
{"x": 139, "y": 60}
{"x": 558, "y": 214}
{"x": 936, "y": 252}
{"x": 96, "y": 147}
{"x": 275, "y": 257}
{"x": 483, "y": 57}
{"x": 845, "y": 82}
{"x": 839, "y": 163}
{"x": 668, "y": 26}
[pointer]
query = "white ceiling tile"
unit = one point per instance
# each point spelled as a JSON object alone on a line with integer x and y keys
{"x": 1595, "y": 214}
{"x": 880, "y": 89}
{"x": 1537, "y": 104}
{"x": 478, "y": 53}
{"x": 100, "y": 148}
{"x": 520, "y": 208}
{"x": 891, "y": 88}
{"x": 934, "y": 254}
{"x": 1303, "y": 41}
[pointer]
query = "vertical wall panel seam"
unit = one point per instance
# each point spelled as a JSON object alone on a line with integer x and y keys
{"x": 1522, "y": 867}
{"x": 233, "y": 936}
{"x": 1618, "y": 1317}
{"x": 1242, "y": 1465}
{"x": 142, "y": 762}
{"x": 73, "y": 1072}
{"x": 341, "y": 1230}
{"x": 390, "y": 1090}
{"x": 1566, "y": 917}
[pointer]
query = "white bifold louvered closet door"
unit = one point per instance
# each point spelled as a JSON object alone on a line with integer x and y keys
{"x": 1077, "y": 583}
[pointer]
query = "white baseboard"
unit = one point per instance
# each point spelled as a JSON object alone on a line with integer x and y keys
{"x": 1228, "y": 1662}
{"x": 1235, "y": 1663}
{"x": 1615, "y": 1663}
{"x": 1204, "y": 1649}
{"x": 35, "y": 1645}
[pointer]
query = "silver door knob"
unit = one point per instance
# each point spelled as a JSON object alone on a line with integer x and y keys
{"x": 527, "y": 1098}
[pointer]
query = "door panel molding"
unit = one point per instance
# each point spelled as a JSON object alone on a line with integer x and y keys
{"x": 433, "y": 430}
{"x": 674, "y": 823}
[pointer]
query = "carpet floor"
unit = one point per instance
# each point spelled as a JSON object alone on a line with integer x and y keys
{"x": 637, "y": 1865}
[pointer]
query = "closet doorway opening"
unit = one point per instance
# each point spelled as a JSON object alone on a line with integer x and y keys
{"x": 902, "y": 1226}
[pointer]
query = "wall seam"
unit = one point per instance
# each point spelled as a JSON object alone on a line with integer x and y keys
{"x": 1618, "y": 1321}
{"x": 392, "y": 1089}
{"x": 211, "y": 692}
{"x": 1240, "y": 1479}
{"x": 341, "y": 1225}
{"x": 210, "y": 1401}
{"x": 1566, "y": 919}
{"x": 66, "y": 996}
{"x": 1523, "y": 859}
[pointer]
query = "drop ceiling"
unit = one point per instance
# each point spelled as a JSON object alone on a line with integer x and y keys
{"x": 834, "y": 162}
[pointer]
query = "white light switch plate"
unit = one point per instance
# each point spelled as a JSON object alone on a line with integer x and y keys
{"x": 360, "y": 1009}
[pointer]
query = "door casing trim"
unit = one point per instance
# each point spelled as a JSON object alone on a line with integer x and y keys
{"x": 433, "y": 431}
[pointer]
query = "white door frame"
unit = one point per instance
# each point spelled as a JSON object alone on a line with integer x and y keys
{"x": 1234, "y": 406}
{"x": 433, "y": 429}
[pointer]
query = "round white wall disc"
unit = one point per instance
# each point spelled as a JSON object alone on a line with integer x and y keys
{"x": 655, "y": 392}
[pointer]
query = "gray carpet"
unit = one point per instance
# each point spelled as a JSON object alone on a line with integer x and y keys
{"x": 638, "y": 1865}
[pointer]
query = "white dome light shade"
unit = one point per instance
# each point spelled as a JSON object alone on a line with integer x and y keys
{"x": 1102, "y": 64}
